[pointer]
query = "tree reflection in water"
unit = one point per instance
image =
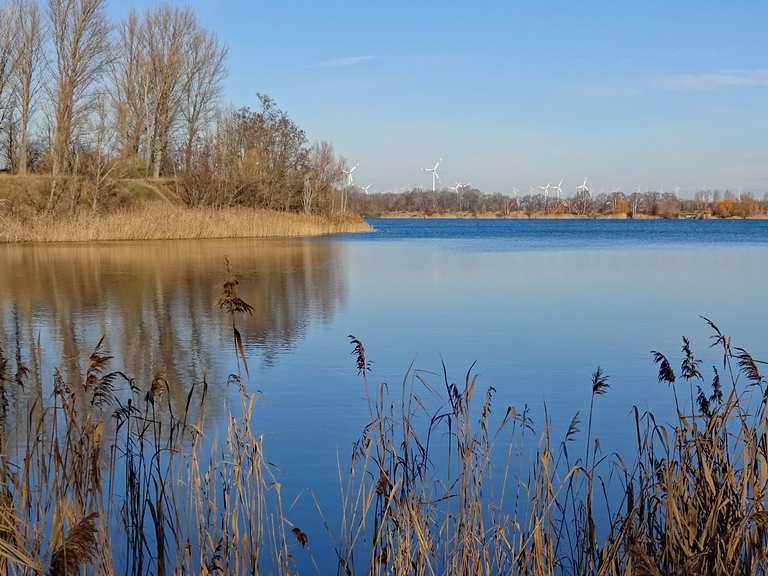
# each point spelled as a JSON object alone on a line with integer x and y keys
{"x": 155, "y": 304}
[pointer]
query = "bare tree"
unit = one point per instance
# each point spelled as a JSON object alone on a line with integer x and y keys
{"x": 130, "y": 85}
{"x": 166, "y": 82}
{"x": 7, "y": 65}
{"x": 260, "y": 159}
{"x": 166, "y": 33}
{"x": 205, "y": 73}
{"x": 29, "y": 60}
{"x": 308, "y": 194}
{"x": 101, "y": 159}
{"x": 324, "y": 172}
{"x": 80, "y": 37}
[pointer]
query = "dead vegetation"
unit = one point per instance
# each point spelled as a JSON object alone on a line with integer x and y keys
{"x": 163, "y": 221}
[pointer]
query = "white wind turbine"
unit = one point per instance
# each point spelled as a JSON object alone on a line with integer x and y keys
{"x": 458, "y": 187}
{"x": 546, "y": 189}
{"x": 435, "y": 174}
{"x": 558, "y": 189}
{"x": 366, "y": 188}
{"x": 584, "y": 187}
{"x": 350, "y": 181}
{"x": 350, "y": 174}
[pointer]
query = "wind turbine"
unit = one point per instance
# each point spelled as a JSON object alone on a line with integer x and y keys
{"x": 366, "y": 188}
{"x": 350, "y": 181}
{"x": 583, "y": 187}
{"x": 558, "y": 189}
{"x": 350, "y": 174}
{"x": 545, "y": 189}
{"x": 435, "y": 174}
{"x": 458, "y": 187}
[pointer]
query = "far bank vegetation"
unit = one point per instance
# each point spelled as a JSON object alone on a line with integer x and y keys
{"x": 100, "y": 117}
{"x": 469, "y": 202}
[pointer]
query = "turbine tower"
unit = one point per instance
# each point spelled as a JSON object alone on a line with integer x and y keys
{"x": 435, "y": 174}
{"x": 458, "y": 187}
{"x": 558, "y": 189}
{"x": 350, "y": 174}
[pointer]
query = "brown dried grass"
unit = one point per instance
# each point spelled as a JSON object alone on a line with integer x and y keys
{"x": 164, "y": 221}
{"x": 78, "y": 548}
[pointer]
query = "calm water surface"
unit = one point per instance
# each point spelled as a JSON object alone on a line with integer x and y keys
{"x": 537, "y": 304}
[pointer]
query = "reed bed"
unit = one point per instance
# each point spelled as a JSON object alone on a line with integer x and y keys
{"x": 166, "y": 221}
{"x": 112, "y": 480}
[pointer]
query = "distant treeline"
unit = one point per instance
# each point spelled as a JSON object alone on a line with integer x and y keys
{"x": 724, "y": 204}
{"x": 90, "y": 102}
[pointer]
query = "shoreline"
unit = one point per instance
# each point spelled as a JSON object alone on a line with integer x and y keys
{"x": 541, "y": 216}
{"x": 148, "y": 209}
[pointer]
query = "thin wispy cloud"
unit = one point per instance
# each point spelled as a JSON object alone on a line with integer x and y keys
{"x": 708, "y": 81}
{"x": 615, "y": 89}
{"x": 344, "y": 62}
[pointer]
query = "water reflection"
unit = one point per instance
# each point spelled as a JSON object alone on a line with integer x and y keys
{"x": 155, "y": 303}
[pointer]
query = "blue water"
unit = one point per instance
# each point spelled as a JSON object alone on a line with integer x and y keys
{"x": 521, "y": 234}
{"x": 537, "y": 305}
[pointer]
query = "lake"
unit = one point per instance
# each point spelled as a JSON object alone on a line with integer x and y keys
{"x": 535, "y": 306}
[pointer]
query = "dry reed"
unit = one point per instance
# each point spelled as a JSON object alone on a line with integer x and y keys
{"x": 164, "y": 221}
{"x": 108, "y": 455}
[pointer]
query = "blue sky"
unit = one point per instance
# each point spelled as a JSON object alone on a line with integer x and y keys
{"x": 647, "y": 94}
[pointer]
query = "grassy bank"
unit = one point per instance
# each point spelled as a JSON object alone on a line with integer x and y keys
{"x": 142, "y": 209}
{"x": 164, "y": 221}
{"x": 106, "y": 472}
